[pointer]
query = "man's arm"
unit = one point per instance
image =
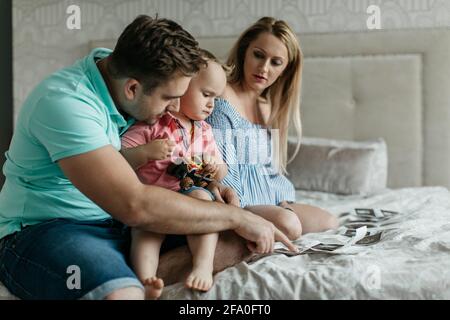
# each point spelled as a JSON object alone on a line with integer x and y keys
{"x": 105, "y": 177}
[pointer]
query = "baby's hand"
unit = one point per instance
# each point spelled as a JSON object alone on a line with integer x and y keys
{"x": 210, "y": 165}
{"x": 160, "y": 149}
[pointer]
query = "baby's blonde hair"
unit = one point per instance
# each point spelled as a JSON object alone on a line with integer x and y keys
{"x": 208, "y": 56}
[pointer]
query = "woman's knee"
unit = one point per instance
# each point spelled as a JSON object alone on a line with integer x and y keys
{"x": 330, "y": 222}
{"x": 289, "y": 224}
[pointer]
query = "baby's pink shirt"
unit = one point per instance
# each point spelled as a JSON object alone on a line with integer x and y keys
{"x": 155, "y": 172}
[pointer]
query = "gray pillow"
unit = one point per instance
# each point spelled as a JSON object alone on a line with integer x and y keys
{"x": 339, "y": 166}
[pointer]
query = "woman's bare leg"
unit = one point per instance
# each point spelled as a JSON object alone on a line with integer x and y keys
{"x": 313, "y": 218}
{"x": 285, "y": 220}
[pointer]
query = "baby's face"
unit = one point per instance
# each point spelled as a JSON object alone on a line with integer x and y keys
{"x": 198, "y": 101}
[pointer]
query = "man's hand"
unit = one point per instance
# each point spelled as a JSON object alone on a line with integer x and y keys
{"x": 223, "y": 193}
{"x": 262, "y": 234}
{"x": 160, "y": 149}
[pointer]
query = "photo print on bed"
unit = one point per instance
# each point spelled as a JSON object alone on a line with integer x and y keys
{"x": 359, "y": 227}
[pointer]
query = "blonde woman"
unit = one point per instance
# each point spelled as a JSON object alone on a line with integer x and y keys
{"x": 251, "y": 126}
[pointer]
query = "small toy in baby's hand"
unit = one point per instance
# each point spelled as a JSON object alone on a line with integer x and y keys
{"x": 190, "y": 174}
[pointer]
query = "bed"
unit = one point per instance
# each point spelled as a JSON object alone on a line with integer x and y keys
{"x": 411, "y": 261}
{"x": 360, "y": 86}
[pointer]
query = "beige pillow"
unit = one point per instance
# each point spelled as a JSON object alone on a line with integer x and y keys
{"x": 338, "y": 166}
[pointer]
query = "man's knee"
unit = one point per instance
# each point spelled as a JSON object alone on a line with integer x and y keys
{"x": 129, "y": 293}
{"x": 177, "y": 263}
{"x": 230, "y": 250}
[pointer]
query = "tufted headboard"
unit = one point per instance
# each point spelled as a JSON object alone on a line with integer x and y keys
{"x": 365, "y": 85}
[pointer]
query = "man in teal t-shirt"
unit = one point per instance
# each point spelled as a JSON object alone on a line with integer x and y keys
{"x": 69, "y": 195}
{"x": 69, "y": 113}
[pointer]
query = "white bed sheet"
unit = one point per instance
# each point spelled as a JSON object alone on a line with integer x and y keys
{"x": 412, "y": 260}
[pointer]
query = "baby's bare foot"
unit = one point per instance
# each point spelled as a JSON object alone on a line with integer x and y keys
{"x": 200, "y": 279}
{"x": 153, "y": 288}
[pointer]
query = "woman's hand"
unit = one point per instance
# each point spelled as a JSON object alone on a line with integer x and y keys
{"x": 224, "y": 193}
{"x": 210, "y": 165}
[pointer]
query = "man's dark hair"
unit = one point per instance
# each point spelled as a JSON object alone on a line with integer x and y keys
{"x": 153, "y": 50}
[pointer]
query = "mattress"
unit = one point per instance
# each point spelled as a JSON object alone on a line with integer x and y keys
{"x": 411, "y": 260}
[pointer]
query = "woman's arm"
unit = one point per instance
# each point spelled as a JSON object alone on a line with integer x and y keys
{"x": 223, "y": 126}
{"x": 215, "y": 166}
{"x": 222, "y": 171}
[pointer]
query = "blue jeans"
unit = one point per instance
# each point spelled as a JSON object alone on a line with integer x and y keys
{"x": 42, "y": 261}
{"x": 194, "y": 188}
{"x": 69, "y": 259}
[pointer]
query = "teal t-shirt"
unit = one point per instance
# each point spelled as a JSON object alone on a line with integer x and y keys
{"x": 69, "y": 113}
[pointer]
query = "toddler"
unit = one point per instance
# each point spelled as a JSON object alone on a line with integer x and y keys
{"x": 178, "y": 137}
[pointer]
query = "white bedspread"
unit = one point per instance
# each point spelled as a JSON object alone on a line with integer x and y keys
{"x": 412, "y": 260}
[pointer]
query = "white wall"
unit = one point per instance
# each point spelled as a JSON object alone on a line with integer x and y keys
{"x": 42, "y": 42}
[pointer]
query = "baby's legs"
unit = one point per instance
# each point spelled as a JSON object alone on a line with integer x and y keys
{"x": 145, "y": 249}
{"x": 203, "y": 248}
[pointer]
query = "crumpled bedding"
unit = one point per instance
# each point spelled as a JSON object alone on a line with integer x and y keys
{"x": 411, "y": 261}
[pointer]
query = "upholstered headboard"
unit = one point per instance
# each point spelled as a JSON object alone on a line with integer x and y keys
{"x": 390, "y": 84}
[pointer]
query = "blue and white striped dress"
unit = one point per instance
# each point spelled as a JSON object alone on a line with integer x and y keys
{"x": 245, "y": 147}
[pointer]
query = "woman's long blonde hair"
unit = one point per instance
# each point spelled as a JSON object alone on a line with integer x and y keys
{"x": 284, "y": 93}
